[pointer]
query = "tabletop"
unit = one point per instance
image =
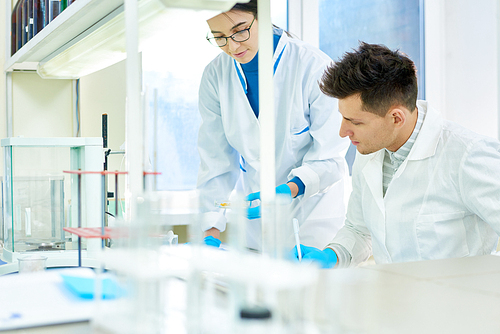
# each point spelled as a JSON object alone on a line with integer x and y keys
{"x": 439, "y": 296}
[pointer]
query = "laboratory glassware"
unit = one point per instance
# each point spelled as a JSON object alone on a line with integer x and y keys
{"x": 37, "y": 195}
{"x": 32, "y": 263}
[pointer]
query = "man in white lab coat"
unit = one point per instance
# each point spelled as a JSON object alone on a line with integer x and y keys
{"x": 423, "y": 187}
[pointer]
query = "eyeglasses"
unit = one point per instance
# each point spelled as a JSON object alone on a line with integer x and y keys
{"x": 239, "y": 36}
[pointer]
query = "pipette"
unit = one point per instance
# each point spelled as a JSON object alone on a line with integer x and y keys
{"x": 227, "y": 204}
{"x": 297, "y": 239}
{"x": 222, "y": 205}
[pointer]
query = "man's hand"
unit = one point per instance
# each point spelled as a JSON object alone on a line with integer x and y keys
{"x": 326, "y": 258}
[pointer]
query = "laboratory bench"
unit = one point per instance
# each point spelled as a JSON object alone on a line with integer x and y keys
{"x": 438, "y": 296}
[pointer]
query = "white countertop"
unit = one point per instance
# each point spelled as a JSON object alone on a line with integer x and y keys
{"x": 439, "y": 296}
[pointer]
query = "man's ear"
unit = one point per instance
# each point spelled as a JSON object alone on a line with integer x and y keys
{"x": 398, "y": 117}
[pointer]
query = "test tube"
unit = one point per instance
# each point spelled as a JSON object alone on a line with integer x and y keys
{"x": 228, "y": 204}
{"x": 27, "y": 221}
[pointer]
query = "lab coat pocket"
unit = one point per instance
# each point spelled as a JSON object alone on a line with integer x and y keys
{"x": 442, "y": 235}
{"x": 300, "y": 137}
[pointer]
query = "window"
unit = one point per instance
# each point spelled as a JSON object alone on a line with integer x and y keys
{"x": 172, "y": 70}
{"x": 394, "y": 23}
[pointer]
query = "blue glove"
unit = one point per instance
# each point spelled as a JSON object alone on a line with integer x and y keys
{"x": 326, "y": 258}
{"x": 254, "y": 213}
{"x": 211, "y": 241}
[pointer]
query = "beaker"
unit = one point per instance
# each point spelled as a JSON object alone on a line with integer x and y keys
{"x": 32, "y": 263}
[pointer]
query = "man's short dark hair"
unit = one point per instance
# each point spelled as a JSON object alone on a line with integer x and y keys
{"x": 383, "y": 78}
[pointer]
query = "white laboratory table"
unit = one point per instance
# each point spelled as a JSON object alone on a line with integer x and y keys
{"x": 440, "y": 296}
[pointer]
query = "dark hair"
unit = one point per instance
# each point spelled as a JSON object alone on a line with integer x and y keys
{"x": 384, "y": 78}
{"x": 250, "y": 7}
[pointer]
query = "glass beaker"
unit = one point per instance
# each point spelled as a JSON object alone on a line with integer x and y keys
{"x": 32, "y": 263}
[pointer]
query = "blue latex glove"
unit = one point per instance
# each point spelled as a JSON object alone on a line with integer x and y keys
{"x": 254, "y": 213}
{"x": 325, "y": 258}
{"x": 212, "y": 241}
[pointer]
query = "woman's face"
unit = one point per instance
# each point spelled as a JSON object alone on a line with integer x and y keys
{"x": 228, "y": 23}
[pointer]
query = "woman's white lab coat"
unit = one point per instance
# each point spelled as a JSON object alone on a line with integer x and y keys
{"x": 443, "y": 202}
{"x": 307, "y": 141}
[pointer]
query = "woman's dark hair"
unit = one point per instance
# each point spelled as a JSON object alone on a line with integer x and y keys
{"x": 250, "y": 7}
{"x": 383, "y": 78}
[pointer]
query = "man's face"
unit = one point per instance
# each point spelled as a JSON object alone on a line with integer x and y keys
{"x": 367, "y": 131}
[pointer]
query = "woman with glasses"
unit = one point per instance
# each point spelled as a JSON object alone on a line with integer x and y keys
{"x": 309, "y": 150}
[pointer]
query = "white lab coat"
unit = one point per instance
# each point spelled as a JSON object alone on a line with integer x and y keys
{"x": 443, "y": 202}
{"x": 307, "y": 141}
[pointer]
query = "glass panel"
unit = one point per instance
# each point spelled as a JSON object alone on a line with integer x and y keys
{"x": 34, "y": 198}
{"x": 394, "y": 23}
{"x": 279, "y": 13}
{"x": 172, "y": 72}
{"x": 7, "y": 199}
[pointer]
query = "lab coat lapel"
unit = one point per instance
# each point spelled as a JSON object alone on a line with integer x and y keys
{"x": 427, "y": 140}
{"x": 242, "y": 113}
{"x": 240, "y": 124}
{"x": 372, "y": 173}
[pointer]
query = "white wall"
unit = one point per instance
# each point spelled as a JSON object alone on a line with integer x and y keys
{"x": 41, "y": 107}
{"x": 462, "y": 62}
{"x": 104, "y": 92}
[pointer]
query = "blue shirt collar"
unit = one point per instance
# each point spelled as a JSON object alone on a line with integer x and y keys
{"x": 253, "y": 65}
